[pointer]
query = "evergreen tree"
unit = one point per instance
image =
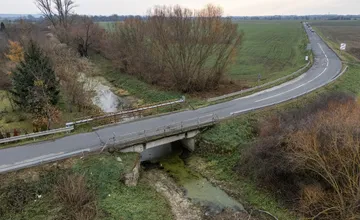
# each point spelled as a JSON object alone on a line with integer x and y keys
{"x": 2, "y": 26}
{"x": 34, "y": 81}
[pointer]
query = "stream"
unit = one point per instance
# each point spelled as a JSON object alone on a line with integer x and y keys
{"x": 196, "y": 188}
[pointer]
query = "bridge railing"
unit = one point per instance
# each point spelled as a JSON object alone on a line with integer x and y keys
{"x": 125, "y": 112}
{"x": 162, "y": 131}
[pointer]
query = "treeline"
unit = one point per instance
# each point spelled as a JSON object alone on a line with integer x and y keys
{"x": 301, "y": 18}
{"x": 111, "y": 18}
{"x": 115, "y": 17}
{"x": 175, "y": 47}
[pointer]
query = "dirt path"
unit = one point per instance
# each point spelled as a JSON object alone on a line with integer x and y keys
{"x": 181, "y": 207}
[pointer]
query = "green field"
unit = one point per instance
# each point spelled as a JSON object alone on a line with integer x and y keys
{"x": 270, "y": 48}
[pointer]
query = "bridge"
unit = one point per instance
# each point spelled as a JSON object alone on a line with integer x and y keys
{"x": 150, "y": 132}
{"x": 184, "y": 131}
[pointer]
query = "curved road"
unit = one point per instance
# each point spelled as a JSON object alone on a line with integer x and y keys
{"x": 326, "y": 67}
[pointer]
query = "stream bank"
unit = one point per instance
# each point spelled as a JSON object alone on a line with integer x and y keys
{"x": 103, "y": 97}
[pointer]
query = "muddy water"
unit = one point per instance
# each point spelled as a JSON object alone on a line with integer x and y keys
{"x": 200, "y": 191}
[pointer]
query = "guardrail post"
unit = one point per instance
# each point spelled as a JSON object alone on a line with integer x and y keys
{"x": 145, "y": 134}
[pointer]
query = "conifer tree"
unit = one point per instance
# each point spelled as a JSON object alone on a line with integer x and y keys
{"x": 34, "y": 81}
{"x": 2, "y": 26}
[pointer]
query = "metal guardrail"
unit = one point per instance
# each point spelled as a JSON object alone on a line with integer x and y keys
{"x": 90, "y": 119}
{"x": 35, "y": 135}
{"x": 70, "y": 126}
{"x": 160, "y": 132}
{"x": 259, "y": 86}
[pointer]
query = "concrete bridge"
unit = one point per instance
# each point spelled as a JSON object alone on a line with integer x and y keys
{"x": 185, "y": 132}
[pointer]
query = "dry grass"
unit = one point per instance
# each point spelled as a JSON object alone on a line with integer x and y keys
{"x": 78, "y": 200}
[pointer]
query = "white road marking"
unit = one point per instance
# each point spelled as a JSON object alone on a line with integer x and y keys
{"x": 274, "y": 88}
{"x": 327, "y": 64}
{"x": 274, "y": 103}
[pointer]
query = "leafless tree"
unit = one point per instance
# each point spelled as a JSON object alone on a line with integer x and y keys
{"x": 188, "y": 49}
{"x": 58, "y": 12}
{"x": 85, "y": 34}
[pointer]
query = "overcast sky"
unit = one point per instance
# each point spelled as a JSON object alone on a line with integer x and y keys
{"x": 231, "y": 7}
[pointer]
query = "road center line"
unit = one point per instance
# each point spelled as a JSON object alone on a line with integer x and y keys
{"x": 327, "y": 64}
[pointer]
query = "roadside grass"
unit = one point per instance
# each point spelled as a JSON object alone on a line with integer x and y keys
{"x": 221, "y": 147}
{"x": 103, "y": 176}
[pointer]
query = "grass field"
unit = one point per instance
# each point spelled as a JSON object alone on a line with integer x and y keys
{"x": 271, "y": 48}
{"x": 339, "y": 32}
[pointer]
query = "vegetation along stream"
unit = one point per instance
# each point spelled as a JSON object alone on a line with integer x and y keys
{"x": 201, "y": 192}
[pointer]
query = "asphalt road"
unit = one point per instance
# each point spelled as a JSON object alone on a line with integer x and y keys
{"x": 326, "y": 66}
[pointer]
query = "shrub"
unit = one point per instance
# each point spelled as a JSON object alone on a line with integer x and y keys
{"x": 312, "y": 155}
{"x": 78, "y": 200}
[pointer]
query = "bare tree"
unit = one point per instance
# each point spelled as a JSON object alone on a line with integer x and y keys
{"x": 188, "y": 49}
{"x": 85, "y": 34}
{"x": 58, "y": 12}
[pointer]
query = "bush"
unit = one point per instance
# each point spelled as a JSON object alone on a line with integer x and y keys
{"x": 78, "y": 200}
{"x": 312, "y": 155}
